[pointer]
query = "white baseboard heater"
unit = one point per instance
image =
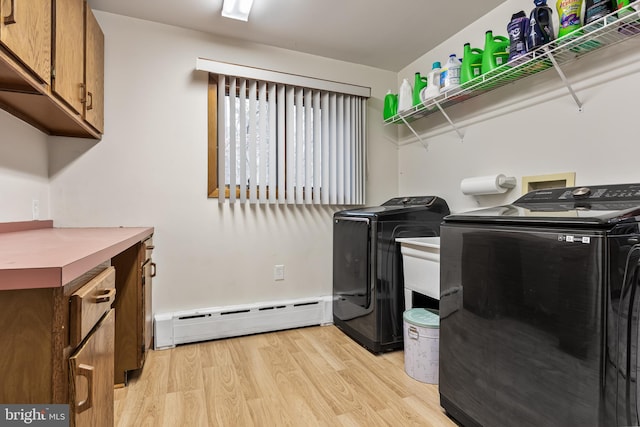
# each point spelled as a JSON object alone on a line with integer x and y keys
{"x": 206, "y": 324}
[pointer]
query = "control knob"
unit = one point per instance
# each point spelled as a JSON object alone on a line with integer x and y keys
{"x": 581, "y": 192}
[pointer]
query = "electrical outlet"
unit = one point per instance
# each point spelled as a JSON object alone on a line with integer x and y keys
{"x": 278, "y": 272}
{"x": 35, "y": 209}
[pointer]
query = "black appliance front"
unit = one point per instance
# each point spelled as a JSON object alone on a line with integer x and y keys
{"x": 368, "y": 286}
{"x": 539, "y": 310}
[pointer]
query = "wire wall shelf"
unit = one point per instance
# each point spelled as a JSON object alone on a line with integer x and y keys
{"x": 606, "y": 31}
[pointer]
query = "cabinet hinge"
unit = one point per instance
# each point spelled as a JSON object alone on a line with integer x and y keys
{"x": 53, "y": 73}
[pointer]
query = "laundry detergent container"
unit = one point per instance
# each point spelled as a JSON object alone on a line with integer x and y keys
{"x": 421, "y": 344}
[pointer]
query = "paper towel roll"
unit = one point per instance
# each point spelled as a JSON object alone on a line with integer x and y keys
{"x": 492, "y": 184}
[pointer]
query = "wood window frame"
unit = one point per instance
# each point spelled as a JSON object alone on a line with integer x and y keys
{"x": 213, "y": 189}
{"x": 212, "y": 138}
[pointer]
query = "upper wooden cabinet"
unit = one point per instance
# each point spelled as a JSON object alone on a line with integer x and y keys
{"x": 46, "y": 77}
{"x": 94, "y": 72}
{"x": 68, "y": 59}
{"x": 25, "y": 30}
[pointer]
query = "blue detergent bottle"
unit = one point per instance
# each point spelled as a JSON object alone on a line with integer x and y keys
{"x": 540, "y": 30}
{"x": 517, "y": 30}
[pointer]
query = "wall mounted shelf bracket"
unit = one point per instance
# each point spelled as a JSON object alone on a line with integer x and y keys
{"x": 424, "y": 144}
{"x": 564, "y": 79}
{"x": 446, "y": 116}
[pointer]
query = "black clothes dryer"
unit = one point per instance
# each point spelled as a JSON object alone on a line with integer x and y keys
{"x": 540, "y": 309}
{"x": 368, "y": 286}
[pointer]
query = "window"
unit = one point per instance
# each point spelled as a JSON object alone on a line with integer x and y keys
{"x": 275, "y": 142}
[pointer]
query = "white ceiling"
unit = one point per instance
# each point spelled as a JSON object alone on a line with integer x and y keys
{"x": 386, "y": 34}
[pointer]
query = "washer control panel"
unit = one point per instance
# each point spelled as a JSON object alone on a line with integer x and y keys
{"x": 410, "y": 201}
{"x": 595, "y": 193}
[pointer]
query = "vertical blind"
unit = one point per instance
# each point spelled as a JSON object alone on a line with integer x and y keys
{"x": 281, "y": 143}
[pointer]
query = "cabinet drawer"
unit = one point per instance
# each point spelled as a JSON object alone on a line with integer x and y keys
{"x": 89, "y": 303}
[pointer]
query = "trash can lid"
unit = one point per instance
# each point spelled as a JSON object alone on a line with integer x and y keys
{"x": 422, "y": 317}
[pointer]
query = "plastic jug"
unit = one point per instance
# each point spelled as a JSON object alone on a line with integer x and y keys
{"x": 405, "y": 96}
{"x": 568, "y": 16}
{"x": 596, "y": 9}
{"x": 450, "y": 75}
{"x": 471, "y": 63}
{"x": 419, "y": 83}
{"x": 390, "y": 105}
{"x": 517, "y": 29}
{"x": 496, "y": 52}
{"x": 540, "y": 25}
{"x": 433, "y": 87}
{"x": 624, "y": 10}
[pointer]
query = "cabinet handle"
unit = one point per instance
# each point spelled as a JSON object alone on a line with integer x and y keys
{"x": 87, "y": 372}
{"x": 90, "y": 97}
{"x": 11, "y": 19}
{"x": 107, "y": 296}
{"x": 83, "y": 96}
{"x": 153, "y": 269}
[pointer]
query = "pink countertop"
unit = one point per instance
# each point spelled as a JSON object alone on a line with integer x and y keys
{"x": 50, "y": 257}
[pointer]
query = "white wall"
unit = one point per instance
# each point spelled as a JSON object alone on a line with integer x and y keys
{"x": 23, "y": 170}
{"x": 531, "y": 127}
{"x": 150, "y": 169}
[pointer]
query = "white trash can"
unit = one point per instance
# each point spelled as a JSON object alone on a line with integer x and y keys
{"x": 421, "y": 344}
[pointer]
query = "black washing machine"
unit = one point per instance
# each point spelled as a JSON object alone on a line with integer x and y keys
{"x": 540, "y": 310}
{"x": 368, "y": 286}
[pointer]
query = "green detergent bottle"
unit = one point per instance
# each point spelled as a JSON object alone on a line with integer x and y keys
{"x": 496, "y": 52}
{"x": 418, "y": 84}
{"x": 471, "y": 64}
{"x": 390, "y": 105}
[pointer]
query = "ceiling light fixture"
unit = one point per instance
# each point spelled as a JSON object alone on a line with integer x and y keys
{"x": 237, "y": 9}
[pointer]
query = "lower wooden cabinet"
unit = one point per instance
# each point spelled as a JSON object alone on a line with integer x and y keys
{"x": 148, "y": 272}
{"x": 59, "y": 351}
{"x": 91, "y": 377}
{"x": 134, "y": 320}
{"x": 67, "y": 344}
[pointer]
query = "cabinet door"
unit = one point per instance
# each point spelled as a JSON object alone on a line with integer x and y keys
{"x": 94, "y": 72}
{"x": 25, "y": 29}
{"x": 91, "y": 377}
{"x": 148, "y": 271}
{"x": 129, "y": 305}
{"x": 68, "y": 66}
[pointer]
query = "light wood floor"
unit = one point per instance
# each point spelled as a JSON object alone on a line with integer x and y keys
{"x": 304, "y": 377}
